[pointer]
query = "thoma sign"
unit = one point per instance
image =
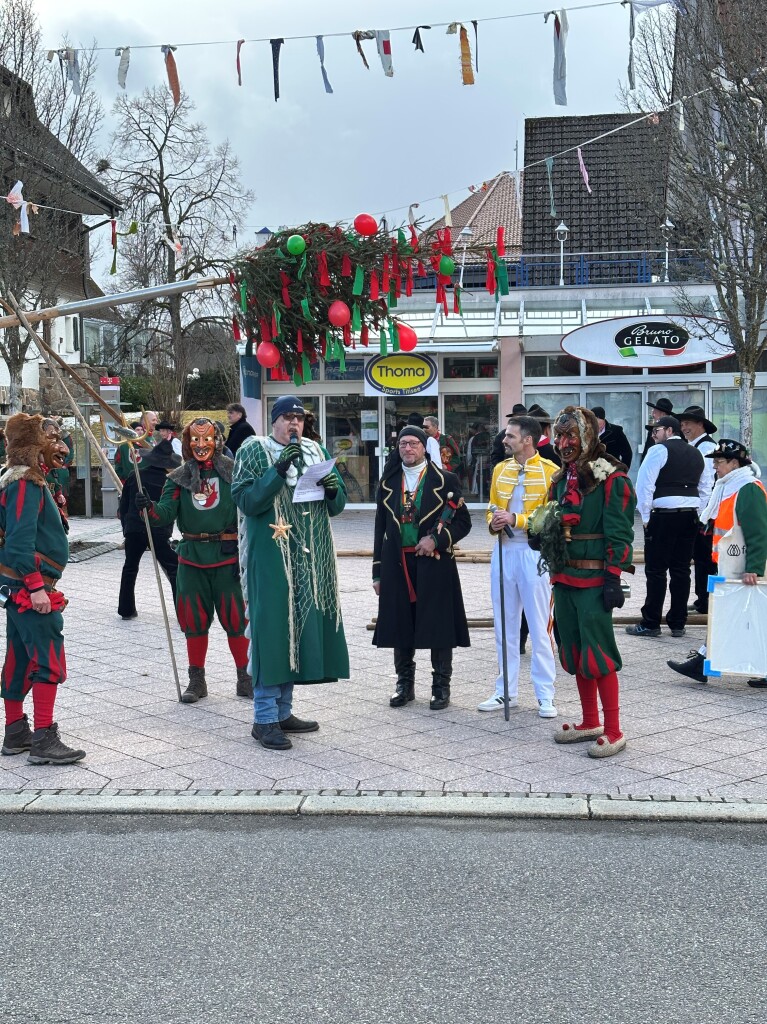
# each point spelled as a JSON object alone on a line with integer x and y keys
{"x": 646, "y": 341}
{"x": 402, "y": 373}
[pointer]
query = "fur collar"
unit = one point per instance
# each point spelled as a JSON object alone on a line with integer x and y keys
{"x": 188, "y": 475}
{"x": 592, "y": 474}
{"x": 12, "y": 474}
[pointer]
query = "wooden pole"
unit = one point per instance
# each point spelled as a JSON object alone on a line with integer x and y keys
{"x": 44, "y": 352}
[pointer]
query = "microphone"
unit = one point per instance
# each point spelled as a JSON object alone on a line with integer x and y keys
{"x": 294, "y": 438}
{"x": 506, "y": 529}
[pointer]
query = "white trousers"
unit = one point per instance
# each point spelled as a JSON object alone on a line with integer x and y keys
{"x": 524, "y": 590}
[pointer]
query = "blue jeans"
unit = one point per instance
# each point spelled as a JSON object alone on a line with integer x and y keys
{"x": 271, "y": 703}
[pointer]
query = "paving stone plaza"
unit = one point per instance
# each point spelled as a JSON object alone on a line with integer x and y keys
{"x": 686, "y": 740}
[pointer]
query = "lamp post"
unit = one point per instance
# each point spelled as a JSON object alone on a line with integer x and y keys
{"x": 561, "y": 232}
{"x": 466, "y": 235}
{"x": 665, "y": 229}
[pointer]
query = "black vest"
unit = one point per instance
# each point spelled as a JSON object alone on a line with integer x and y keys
{"x": 683, "y": 469}
{"x": 699, "y": 440}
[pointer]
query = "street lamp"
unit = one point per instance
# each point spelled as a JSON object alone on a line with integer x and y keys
{"x": 561, "y": 232}
{"x": 466, "y": 235}
{"x": 665, "y": 229}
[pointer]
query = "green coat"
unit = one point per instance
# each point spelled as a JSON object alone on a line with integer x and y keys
{"x": 297, "y": 635}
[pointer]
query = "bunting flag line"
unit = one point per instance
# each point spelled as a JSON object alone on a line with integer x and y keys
{"x": 123, "y": 52}
{"x": 632, "y": 33}
{"x": 172, "y": 72}
{"x": 358, "y": 37}
{"x": 561, "y": 28}
{"x": 467, "y": 72}
{"x": 276, "y": 45}
{"x": 321, "y": 55}
{"x": 132, "y": 230}
{"x": 417, "y": 40}
{"x": 637, "y": 7}
{"x": 383, "y": 43}
{"x": 70, "y": 66}
{"x": 16, "y": 199}
{"x": 584, "y": 172}
{"x": 448, "y": 215}
{"x": 237, "y": 61}
{"x": 173, "y": 243}
{"x": 549, "y": 168}
{"x": 475, "y": 23}
{"x": 646, "y": 5}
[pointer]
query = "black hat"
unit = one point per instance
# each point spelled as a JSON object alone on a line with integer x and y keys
{"x": 164, "y": 425}
{"x": 286, "y": 404}
{"x": 695, "y": 412}
{"x": 413, "y": 431}
{"x": 539, "y": 414}
{"x": 728, "y": 449}
{"x": 161, "y": 456}
{"x": 664, "y": 405}
{"x": 517, "y": 410}
{"x": 599, "y": 412}
{"x": 415, "y": 419}
{"x": 669, "y": 421}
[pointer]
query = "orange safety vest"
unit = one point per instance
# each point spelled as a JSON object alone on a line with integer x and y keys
{"x": 725, "y": 518}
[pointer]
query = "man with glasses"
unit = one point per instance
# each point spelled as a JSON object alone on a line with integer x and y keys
{"x": 289, "y": 569}
{"x": 669, "y": 489}
{"x": 420, "y": 515}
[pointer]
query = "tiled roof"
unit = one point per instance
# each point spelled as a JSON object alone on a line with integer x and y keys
{"x": 484, "y": 211}
{"x": 627, "y": 171}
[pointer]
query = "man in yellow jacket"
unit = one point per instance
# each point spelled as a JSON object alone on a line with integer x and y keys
{"x": 520, "y": 485}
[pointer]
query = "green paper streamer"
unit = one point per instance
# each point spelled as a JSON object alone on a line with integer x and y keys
{"x": 392, "y": 299}
{"x": 502, "y": 277}
{"x": 359, "y": 281}
{"x": 305, "y": 309}
{"x": 402, "y": 242}
{"x": 243, "y": 297}
{"x": 113, "y": 268}
{"x": 341, "y": 358}
{"x": 356, "y": 318}
{"x": 458, "y": 291}
{"x": 297, "y": 379}
{"x": 277, "y": 318}
{"x": 549, "y": 168}
{"x": 302, "y": 266}
{"x": 281, "y": 254}
{"x": 306, "y": 367}
{"x": 383, "y": 349}
{"x": 393, "y": 336}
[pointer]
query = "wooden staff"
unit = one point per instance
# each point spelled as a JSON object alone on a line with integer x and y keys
{"x": 46, "y": 354}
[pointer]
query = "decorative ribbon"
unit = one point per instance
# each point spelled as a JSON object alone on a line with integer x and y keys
{"x": 383, "y": 42}
{"x": 123, "y": 52}
{"x": 365, "y": 335}
{"x": 172, "y": 72}
{"x": 584, "y": 172}
{"x": 393, "y": 336}
{"x": 359, "y": 281}
{"x": 476, "y": 45}
{"x": 457, "y": 305}
{"x": 382, "y": 345}
{"x": 322, "y": 270}
{"x": 239, "y": 66}
{"x": 385, "y": 279}
{"x": 356, "y": 318}
{"x": 70, "y": 63}
{"x": 305, "y": 309}
{"x": 321, "y": 55}
{"x": 284, "y": 281}
{"x": 346, "y": 266}
{"x": 358, "y": 36}
{"x": 18, "y": 202}
{"x": 417, "y": 41}
{"x": 490, "y": 282}
{"x": 375, "y": 293}
{"x": 549, "y": 169}
{"x": 499, "y": 242}
{"x": 243, "y": 296}
{"x": 276, "y": 44}
{"x": 132, "y": 230}
{"x": 561, "y": 28}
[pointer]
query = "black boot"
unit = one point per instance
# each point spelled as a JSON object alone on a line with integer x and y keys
{"x": 197, "y": 686}
{"x": 404, "y": 666}
{"x": 293, "y": 724}
{"x": 442, "y": 671}
{"x": 244, "y": 683}
{"x": 18, "y": 737}
{"x": 270, "y": 735}
{"x": 692, "y": 668}
{"x": 47, "y": 748}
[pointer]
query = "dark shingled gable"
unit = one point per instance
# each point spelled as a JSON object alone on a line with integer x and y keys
{"x": 627, "y": 174}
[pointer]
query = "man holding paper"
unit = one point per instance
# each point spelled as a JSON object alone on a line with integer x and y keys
{"x": 288, "y": 562}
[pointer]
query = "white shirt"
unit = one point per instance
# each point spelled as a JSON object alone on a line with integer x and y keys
{"x": 412, "y": 475}
{"x": 432, "y": 447}
{"x": 176, "y": 445}
{"x": 708, "y": 479}
{"x": 517, "y": 504}
{"x": 647, "y": 478}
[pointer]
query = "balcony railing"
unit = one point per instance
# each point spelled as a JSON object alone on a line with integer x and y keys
{"x": 586, "y": 268}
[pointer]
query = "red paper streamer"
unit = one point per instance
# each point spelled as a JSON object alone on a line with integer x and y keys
{"x": 375, "y": 293}
{"x": 421, "y": 269}
{"x": 347, "y": 332}
{"x": 236, "y": 329}
{"x": 385, "y": 281}
{"x": 322, "y": 267}
{"x": 264, "y": 329}
{"x": 413, "y": 238}
{"x": 114, "y": 234}
{"x": 346, "y": 266}
{"x": 285, "y": 280}
{"x": 365, "y": 335}
{"x": 409, "y": 279}
{"x": 490, "y": 279}
{"x": 499, "y": 242}
{"x": 299, "y": 341}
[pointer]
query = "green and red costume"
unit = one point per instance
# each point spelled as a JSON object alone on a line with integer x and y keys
{"x": 450, "y": 454}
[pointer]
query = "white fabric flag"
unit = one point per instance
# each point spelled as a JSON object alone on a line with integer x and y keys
{"x": 123, "y": 52}
{"x": 561, "y": 28}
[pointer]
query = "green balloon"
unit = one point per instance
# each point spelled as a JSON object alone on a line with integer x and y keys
{"x": 296, "y": 245}
{"x": 446, "y": 266}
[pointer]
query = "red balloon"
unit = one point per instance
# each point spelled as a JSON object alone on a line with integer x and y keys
{"x": 408, "y": 339}
{"x": 339, "y": 314}
{"x": 365, "y": 224}
{"x": 267, "y": 354}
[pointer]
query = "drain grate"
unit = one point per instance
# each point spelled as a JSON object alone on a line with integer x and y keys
{"x": 82, "y": 550}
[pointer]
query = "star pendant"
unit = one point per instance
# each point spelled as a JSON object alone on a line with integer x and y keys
{"x": 281, "y": 529}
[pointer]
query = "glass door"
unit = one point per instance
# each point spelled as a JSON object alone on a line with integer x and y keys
{"x": 627, "y": 410}
{"x": 351, "y": 436}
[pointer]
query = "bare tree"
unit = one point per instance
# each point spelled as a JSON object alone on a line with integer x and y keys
{"x": 187, "y": 198}
{"x": 717, "y": 145}
{"x": 39, "y": 116}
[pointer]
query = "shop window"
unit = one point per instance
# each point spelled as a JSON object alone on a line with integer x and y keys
{"x": 472, "y": 422}
{"x": 562, "y": 365}
{"x": 470, "y": 368}
{"x": 725, "y": 412}
{"x": 730, "y": 364}
{"x": 665, "y": 370}
{"x": 355, "y": 370}
{"x": 600, "y": 370}
{"x": 310, "y": 402}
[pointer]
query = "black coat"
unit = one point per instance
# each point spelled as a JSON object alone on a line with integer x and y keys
{"x": 617, "y": 444}
{"x": 238, "y": 432}
{"x": 498, "y": 453}
{"x": 152, "y": 480}
{"x": 548, "y": 451}
{"x": 437, "y": 619}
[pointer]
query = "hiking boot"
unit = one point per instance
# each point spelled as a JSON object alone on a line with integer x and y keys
{"x": 197, "y": 686}
{"x": 244, "y": 683}
{"x": 47, "y": 748}
{"x": 270, "y": 735}
{"x": 18, "y": 737}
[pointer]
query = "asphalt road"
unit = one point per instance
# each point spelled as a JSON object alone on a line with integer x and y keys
{"x": 187, "y": 919}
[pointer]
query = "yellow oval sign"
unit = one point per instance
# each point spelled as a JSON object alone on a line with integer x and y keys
{"x": 401, "y": 373}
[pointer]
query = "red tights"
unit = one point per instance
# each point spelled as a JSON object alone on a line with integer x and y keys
{"x": 43, "y": 699}
{"x": 197, "y": 649}
{"x": 607, "y": 687}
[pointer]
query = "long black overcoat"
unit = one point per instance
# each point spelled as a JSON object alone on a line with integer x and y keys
{"x": 439, "y": 619}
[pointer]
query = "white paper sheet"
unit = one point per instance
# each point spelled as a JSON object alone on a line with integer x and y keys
{"x": 309, "y": 487}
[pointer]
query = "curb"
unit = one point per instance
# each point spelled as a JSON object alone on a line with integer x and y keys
{"x": 509, "y": 806}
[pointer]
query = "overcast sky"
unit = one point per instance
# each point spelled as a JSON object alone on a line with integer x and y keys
{"x": 376, "y": 144}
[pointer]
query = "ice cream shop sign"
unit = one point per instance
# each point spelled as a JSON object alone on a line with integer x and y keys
{"x": 642, "y": 341}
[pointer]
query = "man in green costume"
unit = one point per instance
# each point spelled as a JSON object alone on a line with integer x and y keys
{"x": 127, "y": 455}
{"x": 198, "y": 496}
{"x": 288, "y": 557}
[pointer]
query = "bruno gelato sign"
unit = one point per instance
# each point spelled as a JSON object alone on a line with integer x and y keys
{"x": 645, "y": 341}
{"x": 403, "y": 373}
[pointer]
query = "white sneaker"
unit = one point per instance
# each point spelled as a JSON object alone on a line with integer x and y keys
{"x": 495, "y": 704}
{"x": 546, "y": 709}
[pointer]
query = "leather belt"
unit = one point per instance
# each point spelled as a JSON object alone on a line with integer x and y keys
{"x": 669, "y": 511}
{"x": 587, "y": 536}
{"x": 6, "y": 570}
{"x": 586, "y": 563}
{"x": 38, "y": 554}
{"x": 209, "y": 536}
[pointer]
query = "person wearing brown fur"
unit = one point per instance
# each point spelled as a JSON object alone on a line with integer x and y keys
{"x": 33, "y": 556}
